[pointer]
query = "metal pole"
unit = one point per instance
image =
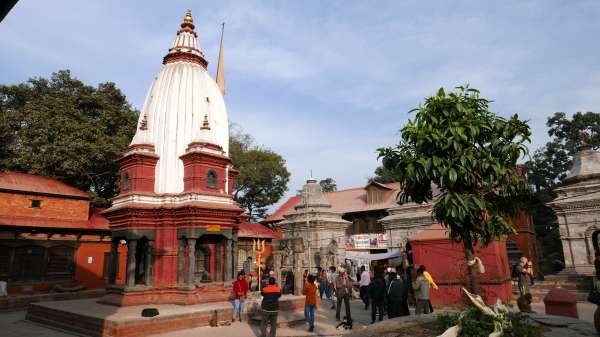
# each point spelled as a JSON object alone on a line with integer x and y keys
{"x": 308, "y": 230}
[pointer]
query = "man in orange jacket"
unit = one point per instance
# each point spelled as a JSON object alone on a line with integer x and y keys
{"x": 310, "y": 290}
{"x": 270, "y": 308}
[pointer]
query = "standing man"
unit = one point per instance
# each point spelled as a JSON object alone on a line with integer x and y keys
{"x": 343, "y": 291}
{"x": 524, "y": 276}
{"x": 240, "y": 291}
{"x": 247, "y": 267}
{"x": 365, "y": 280}
{"x": 331, "y": 285}
{"x": 421, "y": 288}
{"x": 397, "y": 293}
{"x": 377, "y": 293}
{"x": 270, "y": 308}
{"x": 310, "y": 291}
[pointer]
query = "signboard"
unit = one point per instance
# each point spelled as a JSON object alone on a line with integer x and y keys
{"x": 213, "y": 228}
{"x": 367, "y": 241}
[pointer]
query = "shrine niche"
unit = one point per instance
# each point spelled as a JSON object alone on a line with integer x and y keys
{"x": 328, "y": 255}
{"x": 289, "y": 261}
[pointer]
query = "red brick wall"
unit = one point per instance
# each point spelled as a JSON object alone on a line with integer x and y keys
{"x": 51, "y": 207}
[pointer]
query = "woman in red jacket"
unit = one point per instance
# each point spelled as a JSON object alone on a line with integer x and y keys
{"x": 240, "y": 291}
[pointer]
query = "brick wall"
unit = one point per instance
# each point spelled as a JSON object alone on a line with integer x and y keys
{"x": 17, "y": 204}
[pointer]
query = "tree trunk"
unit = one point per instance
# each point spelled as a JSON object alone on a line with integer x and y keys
{"x": 473, "y": 283}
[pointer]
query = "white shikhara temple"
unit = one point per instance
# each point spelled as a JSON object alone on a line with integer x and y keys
{"x": 175, "y": 209}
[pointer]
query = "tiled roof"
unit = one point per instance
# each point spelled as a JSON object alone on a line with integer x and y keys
{"x": 343, "y": 201}
{"x": 256, "y": 230}
{"x": 14, "y": 181}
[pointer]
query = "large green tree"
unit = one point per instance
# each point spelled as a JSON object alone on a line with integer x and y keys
{"x": 263, "y": 175}
{"x": 61, "y": 128}
{"x": 471, "y": 154}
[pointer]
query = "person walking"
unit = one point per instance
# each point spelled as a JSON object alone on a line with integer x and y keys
{"x": 270, "y": 308}
{"x": 247, "y": 268}
{"x": 240, "y": 291}
{"x": 343, "y": 291}
{"x": 421, "y": 288}
{"x": 323, "y": 284}
{"x": 331, "y": 284}
{"x": 365, "y": 280}
{"x": 377, "y": 296}
{"x": 310, "y": 302}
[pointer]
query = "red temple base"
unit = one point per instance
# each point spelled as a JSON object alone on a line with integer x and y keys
{"x": 212, "y": 292}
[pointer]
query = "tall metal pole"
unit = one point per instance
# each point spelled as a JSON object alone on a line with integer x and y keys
{"x": 308, "y": 229}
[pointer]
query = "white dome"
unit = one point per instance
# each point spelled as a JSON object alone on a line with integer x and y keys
{"x": 180, "y": 96}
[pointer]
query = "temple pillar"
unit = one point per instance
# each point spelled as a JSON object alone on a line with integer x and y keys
{"x": 228, "y": 260}
{"x": 218, "y": 262}
{"x": 191, "y": 262}
{"x": 131, "y": 262}
{"x": 148, "y": 271}
{"x": 114, "y": 261}
{"x": 234, "y": 251}
{"x": 181, "y": 262}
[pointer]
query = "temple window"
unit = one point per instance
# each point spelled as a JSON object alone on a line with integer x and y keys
{"x": 36, "y": 203}
{"x": 211, "y": 179}
{"x": 126, "y": 181}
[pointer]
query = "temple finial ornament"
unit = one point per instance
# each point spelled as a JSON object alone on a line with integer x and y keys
{"x": 144, "y": 123}
{"x": 205, "y": 125}
{"x": 188, "y": 21}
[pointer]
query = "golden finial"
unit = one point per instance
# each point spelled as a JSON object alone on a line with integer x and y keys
{"x": 188, "y": 21}
{"x": 205, "y": 125}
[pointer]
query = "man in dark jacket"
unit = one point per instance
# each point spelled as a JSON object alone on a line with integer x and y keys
{"x": 270, "y": 308}
{"x": 397, "y": 293}
{"x": 377, "y": 296}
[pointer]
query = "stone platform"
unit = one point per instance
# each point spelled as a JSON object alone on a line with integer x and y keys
{"x": 88, "y": 317}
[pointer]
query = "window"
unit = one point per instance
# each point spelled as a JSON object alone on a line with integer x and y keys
{"x": 126, "y": 181}
{"x": 211, "y": 179}
{"x": 36, "y": 203}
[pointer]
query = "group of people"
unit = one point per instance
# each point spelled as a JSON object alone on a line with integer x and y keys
{"x": 390, "y": 292}
{"x": 387, "y": 292}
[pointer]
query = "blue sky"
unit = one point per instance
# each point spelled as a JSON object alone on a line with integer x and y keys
{"x": 325, "y": 83}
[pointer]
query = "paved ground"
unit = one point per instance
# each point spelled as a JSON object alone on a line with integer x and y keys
{"x": 14, "y": 325}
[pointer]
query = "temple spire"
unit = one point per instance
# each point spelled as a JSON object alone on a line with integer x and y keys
{"x": 220, "y": 69}
{"x": 188, "y": 20}
{"x": 185, "y": 47}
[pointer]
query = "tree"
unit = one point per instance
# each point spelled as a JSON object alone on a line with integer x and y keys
{"x": 64, "y": 129}
{"x": 471, "y": 154}
{"x": 328, "y": 185}
{"x": 550, "y": 164}
{"x": 384, "y": 176}
{"x": 263, "y": 175}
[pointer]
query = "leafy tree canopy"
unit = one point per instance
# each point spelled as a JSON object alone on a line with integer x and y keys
{"x": 328, "y": 185}
{"x": 551, "y": 163}
{"x": 263, "y": 175}
{"x": 61, "y": 128}
{"x": 455, "y": 143}
{"x": 384, "y": 175}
